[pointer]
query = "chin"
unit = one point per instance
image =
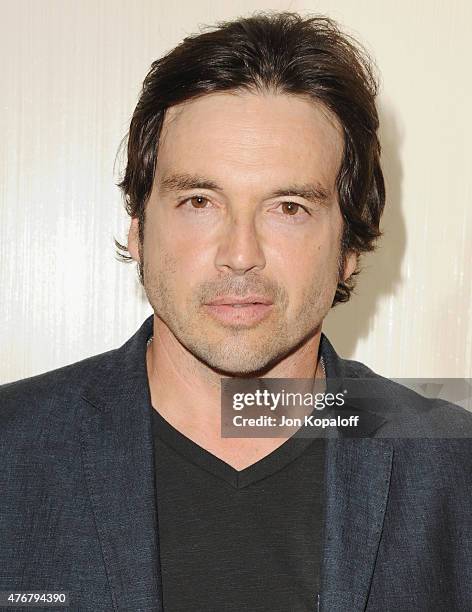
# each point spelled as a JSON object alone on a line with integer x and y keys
{"x": 239, "y": 369}
{"x": 239, "y": 361}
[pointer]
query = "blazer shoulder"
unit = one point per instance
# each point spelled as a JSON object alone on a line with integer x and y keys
{"x": 410, "y": 412}
{"x": 45, "y": 395}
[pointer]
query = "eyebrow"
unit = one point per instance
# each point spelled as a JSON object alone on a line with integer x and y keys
{"x": 312, "y": 192}
{"x": 181, "y": 182}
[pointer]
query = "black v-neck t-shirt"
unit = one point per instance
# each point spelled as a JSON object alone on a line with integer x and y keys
{"x": 234, "y": 540}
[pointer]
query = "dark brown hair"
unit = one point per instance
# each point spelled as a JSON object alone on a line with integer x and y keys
{"x": 284, "y": 53}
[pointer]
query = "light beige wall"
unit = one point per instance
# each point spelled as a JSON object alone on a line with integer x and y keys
{"x": 71, "y": 71}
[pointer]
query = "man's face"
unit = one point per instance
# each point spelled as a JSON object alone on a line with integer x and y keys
{"x": 244, "y": 205}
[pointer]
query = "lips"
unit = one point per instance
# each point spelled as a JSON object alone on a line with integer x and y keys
{"x": 249, "y": 300}
{"x": 240, "y": 311}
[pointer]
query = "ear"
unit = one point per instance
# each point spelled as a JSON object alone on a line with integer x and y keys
{"x": 350, "y": 265}
{"x": 133, "y": 240}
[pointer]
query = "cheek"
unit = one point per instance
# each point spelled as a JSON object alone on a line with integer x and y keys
{"x": 163, "y": 247}
{"x": 307, "y": 269}
{"x": 159, "y": 256}
{"x": 295, "y": 267}
{"x": 296, "y": 260}
{"x": 180, "y": 265}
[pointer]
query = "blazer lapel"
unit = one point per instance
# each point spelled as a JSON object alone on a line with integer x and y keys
{"x": 118, "y": 462}
{"x": 357, "y": 477}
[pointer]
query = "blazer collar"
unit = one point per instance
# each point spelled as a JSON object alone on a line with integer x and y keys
{"x": 371, "y": 416}
{"x": 117, "y": 453}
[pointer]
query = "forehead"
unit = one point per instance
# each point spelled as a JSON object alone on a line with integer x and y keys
{"x": 252, "y": 136}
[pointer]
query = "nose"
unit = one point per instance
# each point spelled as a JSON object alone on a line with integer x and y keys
{"x": 239, "y": 250}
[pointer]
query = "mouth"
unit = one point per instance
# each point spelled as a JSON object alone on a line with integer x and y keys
{"x": 241, "y": 304}
{"x": 240, "y": 311}
{"x": 231, "y": 300}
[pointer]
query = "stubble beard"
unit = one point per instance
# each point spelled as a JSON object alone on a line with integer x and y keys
{"x": 235, "y": 351}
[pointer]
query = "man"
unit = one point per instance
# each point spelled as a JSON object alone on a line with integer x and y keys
{"x": 254, "y": 185}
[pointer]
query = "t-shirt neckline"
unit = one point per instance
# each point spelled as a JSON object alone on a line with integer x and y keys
{"x": 276, "y": 460}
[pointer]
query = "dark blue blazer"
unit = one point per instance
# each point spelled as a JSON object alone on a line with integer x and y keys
{"x": 78, "y": 498}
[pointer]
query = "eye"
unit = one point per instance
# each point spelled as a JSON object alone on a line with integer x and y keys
{"x": 291, "y": 209}
{"x": 196, "y": 201}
